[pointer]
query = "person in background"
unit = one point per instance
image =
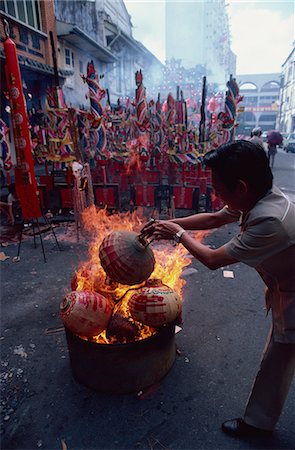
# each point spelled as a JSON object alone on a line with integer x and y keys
{"x": 256, "y": 136}
{"x": 242, "y": 178}
{"x": 7, "y": 207}
{"x": 271, "y": 153}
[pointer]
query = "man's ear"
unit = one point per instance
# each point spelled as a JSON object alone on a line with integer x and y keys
{"x": 242, "y": 187}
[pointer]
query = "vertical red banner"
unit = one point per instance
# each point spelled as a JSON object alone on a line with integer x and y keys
{"x": 25, "y": 180}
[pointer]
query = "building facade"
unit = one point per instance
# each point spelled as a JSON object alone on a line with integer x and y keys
{"x": 101, "y": 31}
{"x": 30, "y": 25}
{"x": 78, "y": 31}
{"x": 198, "y": 34}
{"x": 286, "y": 116}
{"x": 260, "y": 105}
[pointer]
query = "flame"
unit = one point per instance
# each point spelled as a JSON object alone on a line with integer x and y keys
{"x": 90, "y": 276}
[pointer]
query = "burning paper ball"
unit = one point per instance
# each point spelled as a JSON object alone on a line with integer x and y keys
{"x": 122, "y": 329}
{"x": 155, "y": 304}
{"x": 125, "y": 259}
{"x": 85, "y": 313}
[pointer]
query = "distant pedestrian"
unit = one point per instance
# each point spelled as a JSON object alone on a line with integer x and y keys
{"x": 256, "y": 137}
{"x": 271, "y": 153}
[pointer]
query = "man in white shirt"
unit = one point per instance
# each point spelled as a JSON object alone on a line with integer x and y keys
{"x": 242, "y": 178}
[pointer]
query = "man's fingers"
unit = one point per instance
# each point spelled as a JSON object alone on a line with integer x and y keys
{"x": 158, "y": 230}
{"x": 148, "y": 224}
{"x": 147, "y": 231}
{"x": 161, "y": 234}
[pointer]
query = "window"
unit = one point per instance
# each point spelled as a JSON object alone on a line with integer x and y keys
{"x": 270, "y": 86}
{"x": 81, "y": 66}
{"x": 252, "y": 101}
{"x": 27, "y": 11}
{"x": 30, "y": 12}
{"x": 248, "y": 87}
{"x": 35, "y": 41}
{"x": 21, "y": 10}
{"x": 38, "y": 15}
{"x": 249, "y": 116}
{"x": 67, "y": 57}
{"x": 11, "y": 8}
{"x": 23, "y": 36}
{"x": 267, "y": 118}
{"x": 267, "y": 100}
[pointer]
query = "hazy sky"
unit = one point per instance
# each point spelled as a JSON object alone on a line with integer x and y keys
{"x": 262, "y": 31}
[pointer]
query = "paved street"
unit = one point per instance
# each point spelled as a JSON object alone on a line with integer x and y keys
{"x": 284, "y": 173}
{"x": 220, "y": 345}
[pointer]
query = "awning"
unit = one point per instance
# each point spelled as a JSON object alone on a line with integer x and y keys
{"x": 78, "y": 38}
{"x": 120, "y": 34}
{"x": 38, "y": 66}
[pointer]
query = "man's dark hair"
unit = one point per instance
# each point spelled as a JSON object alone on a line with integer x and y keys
{"x": 241, "y": 160}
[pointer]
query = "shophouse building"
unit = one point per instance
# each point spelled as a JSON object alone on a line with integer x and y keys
{"x": 30, "y": 25}
{"x": 78, "y": 32}
{"x": 260, "y": 105}
{"x": 101, "y": 31}
{"x": 286, "y": 115}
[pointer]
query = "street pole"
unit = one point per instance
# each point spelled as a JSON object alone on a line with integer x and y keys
{"x": 203, "y": 117}
{"x": 55, "y": 69}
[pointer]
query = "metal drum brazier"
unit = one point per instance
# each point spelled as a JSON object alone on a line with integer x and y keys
{"x": 122, "y": 368}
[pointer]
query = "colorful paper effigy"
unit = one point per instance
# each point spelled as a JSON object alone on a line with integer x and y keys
{"x": 59, "y": 140}
{"x": 39, "y": 142}
{"x": 61, "y": 147}
{"x": 141, "y": 103}
{"x": 181, "y": 109}
{"x": 139, "y": 141}
{"x": 158, "y": 129}
{"x": 97, "y": 133}
{"x": 138, "y": 153}
{"x": 171, "y": 110}
{"x": 228, "y": 117}
{"x": 55, "y": 97}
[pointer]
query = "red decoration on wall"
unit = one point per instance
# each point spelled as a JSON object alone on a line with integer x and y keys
{"x": 25, "y": 180}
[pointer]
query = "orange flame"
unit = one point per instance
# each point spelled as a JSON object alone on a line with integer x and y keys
{"x": 90, "y": 276}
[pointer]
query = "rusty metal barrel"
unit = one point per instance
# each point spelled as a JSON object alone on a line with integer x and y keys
{"x": 122, "y": 368}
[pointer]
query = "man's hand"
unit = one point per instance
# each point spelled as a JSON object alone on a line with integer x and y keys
{"x": 160, "y": 229}
{"x": 148, "y": 229}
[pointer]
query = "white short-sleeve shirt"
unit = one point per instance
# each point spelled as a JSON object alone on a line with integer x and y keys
{"x": 267, "y": 243}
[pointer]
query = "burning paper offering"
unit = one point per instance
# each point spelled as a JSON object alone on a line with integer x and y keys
{"x": 126, "y": 290}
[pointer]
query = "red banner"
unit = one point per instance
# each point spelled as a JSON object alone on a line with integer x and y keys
{"x": 25, "y": 180}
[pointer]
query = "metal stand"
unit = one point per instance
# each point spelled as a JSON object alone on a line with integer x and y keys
{"x": 35, "y": 221}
